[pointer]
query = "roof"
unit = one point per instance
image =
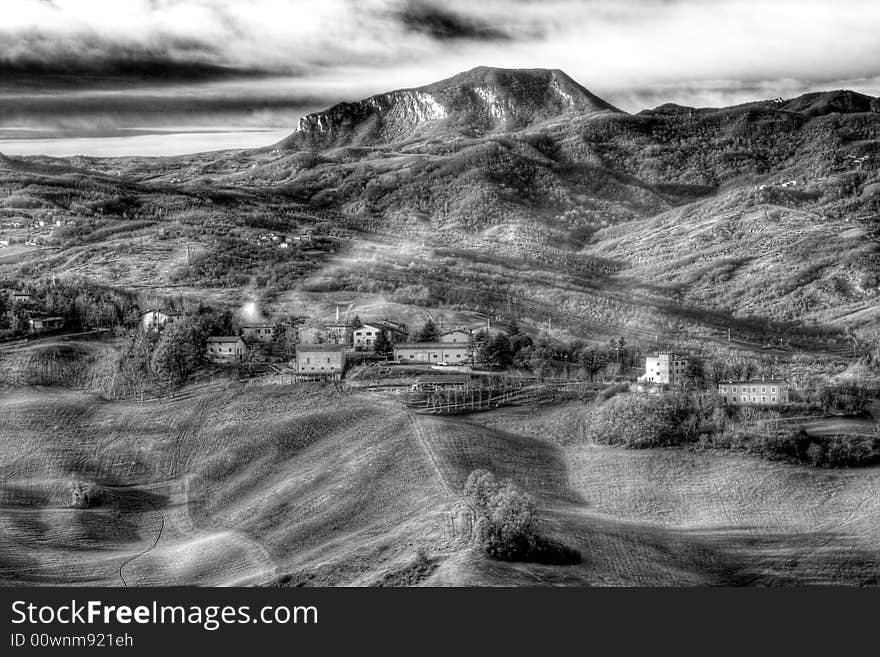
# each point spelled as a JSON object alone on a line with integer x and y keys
{"x": 754, "y": 382}
{"x": 258, "y": 325}
{"x": 456, "y": 330}
{"x": 383, "y": 324}
{"x": 224, "y": 338}
{"x": 430, "y": 345}
{"x": 47, "y": 319}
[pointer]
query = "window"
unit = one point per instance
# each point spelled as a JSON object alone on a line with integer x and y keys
{"x": 763, "y": 389}
{"x": 763, "y": 399}
{"x": 773, "y": 399}
{"x": 772, "y": 389}
{"x": 753, "y": 398}
{"x": 745, "y": 399}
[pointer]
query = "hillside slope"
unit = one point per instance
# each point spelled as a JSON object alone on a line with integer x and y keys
{"x": 497, "y": 190}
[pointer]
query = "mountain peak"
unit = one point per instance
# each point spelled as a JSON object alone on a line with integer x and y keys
{"x": 481, "y": 100}
{"x": 841, "y": 101}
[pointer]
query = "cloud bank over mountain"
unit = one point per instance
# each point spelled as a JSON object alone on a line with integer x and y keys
{"x": 270, "y": 60}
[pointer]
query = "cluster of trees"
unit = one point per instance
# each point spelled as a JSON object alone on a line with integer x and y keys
{"x": 182, "y": 346}
{"x": 507, "y": 523}
{"x": 640, "y": 421}
{"x": 699, "y": 418}
{"x": 82, "y": 303}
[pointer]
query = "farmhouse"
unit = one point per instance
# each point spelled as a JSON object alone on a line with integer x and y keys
{"x": 339, "y": 333}
{"x": 320, "y": 360}
{"x": 364, "y": 337}
{"x": 456, "y": 336}
{"x": 664, "y": 368}
{"x": 155, "y": 320}
{"x": 226, "y": 349}
{"x": 41, "y": 324}
{"x": 433, "y": 352}
{"x": 766, "y": 393}
{"x": 259, "y": 331}
{"x": 21, "y": 297}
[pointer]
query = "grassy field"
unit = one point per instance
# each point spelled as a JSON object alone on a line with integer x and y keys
{"x": 302, "y": 485}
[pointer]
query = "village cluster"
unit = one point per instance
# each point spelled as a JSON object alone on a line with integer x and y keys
{"x": 323, "y": 352}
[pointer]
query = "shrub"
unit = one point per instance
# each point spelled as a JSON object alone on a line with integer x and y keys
{"x": 84, "y": 495}
{"x": 639, "y": 421}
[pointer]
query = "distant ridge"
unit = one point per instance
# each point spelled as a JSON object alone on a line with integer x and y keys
{"x": 481, "y": 100}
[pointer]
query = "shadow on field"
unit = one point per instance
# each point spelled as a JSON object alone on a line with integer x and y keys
{"x": 50, "y": 521}
{"x": 747, "y": 558}
{"x": 632, "y": 554}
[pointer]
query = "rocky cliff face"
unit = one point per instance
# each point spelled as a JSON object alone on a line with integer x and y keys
{"x": 476, "y": 102}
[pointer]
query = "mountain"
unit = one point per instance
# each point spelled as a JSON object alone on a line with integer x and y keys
{"x": 516, "y": 184}
{"x": 476, "y": 102}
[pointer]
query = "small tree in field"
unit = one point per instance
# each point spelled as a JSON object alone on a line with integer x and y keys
{"x": 507, "y": 523}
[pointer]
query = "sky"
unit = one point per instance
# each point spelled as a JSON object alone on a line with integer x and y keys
{"x": 121, "y": 76}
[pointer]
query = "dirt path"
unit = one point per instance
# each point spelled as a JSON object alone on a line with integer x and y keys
{"x": 152, "y": 547}
{"x": 462, "y": 517}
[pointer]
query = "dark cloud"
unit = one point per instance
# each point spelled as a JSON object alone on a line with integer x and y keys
{"x": 111, "y": 68}
{"x": 443, "y": 25}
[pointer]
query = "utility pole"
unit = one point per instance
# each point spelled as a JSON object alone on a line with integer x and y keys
{"x": 728, "y": 334}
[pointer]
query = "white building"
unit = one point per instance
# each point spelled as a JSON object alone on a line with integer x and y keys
{"x": 226, "y": 349}
{"x": 664, "y": 368}
{"x": 155, "y": 320}
{"x": 433, "y": 352}
{"x": 364, "y": 337}
{"x": 759, "y": 393}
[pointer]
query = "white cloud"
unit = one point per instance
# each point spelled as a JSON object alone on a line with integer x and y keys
{"x": 699, "y": 51}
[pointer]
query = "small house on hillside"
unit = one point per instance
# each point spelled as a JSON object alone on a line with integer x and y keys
{"x": 155, "y": 320}
{"x": 364, "y": 338}
{"x": 20, "y": 297}
{"x": 433, "y": 353}
{"x": 259, "y": 331}
{"x": 664, "y": 368}
{"x": 771, "y": 392}
{"x": 226, "y": 349}
{"x": 320, "y": 361}
{"x": 43, "y": 324}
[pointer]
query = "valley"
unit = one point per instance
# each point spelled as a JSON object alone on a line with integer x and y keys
{"x": 498, "y": 199}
